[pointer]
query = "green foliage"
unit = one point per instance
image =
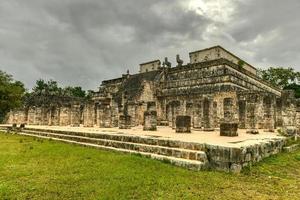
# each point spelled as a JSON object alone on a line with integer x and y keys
{"x": 284, "y": 78}
{"x": 51, "y": 88}
{"x": 241, "y": 63}
{"x": 280, "y": 77}
{"x": 54, "y": 170}
{"x": 11, "y": 94}
{"x": 74, "y": 92}
{"x": 295, "y": 87}
{"x": 46, "y": 88}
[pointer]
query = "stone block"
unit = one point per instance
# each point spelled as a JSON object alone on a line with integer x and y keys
{"x": 290, "y": 130}
{"x": 183, "y": 124}
{"x": 150, "y": 121}
{"x": 252, "y": 131}
{"x": 151, "y": 106}
{"x": 208, "y": 129}
{"x": 125, "y": 122}
{"x": 229, "y": 129}
{"x": 291, "y": 148}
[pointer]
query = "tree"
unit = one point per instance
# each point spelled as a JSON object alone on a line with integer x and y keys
{"x": 284, "y": 78}
{"x": 280, "y": 77}
{"x": 74, "y": 92}
{"x": 46, "y": 88}
{"x": 11, "y": 94}
{"x": 51, "y": 88}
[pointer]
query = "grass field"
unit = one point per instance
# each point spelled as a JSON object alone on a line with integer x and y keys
{"x": 44, "y": 169}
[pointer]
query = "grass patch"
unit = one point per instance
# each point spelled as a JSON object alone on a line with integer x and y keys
{"x": 45, "y": 169}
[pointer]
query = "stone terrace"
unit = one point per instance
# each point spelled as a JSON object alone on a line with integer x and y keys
{"x": 196, "y": 150}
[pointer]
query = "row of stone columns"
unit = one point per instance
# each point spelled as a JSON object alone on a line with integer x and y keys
{"x": 253, "y": 111}
{"x": 52, "y": 116}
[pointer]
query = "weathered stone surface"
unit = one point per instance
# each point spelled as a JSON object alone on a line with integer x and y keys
{"x": 252, "y": 131}
{"x": 210, "y": 89}
{"x": 291, "y": 148}
{"x": 150, "y": 121}
{"x": 125, "y": 122}
{"x": 210, "y": 155}
{"x": 183, "y": 124}
{"x": 229, "y": 129}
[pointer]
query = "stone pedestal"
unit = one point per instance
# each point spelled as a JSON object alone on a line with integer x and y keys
{"x": 229, "y": 129}
{"x": 125, "y": 122}
{"x": 183, "y": 124}
{"x": 150, "y": 121}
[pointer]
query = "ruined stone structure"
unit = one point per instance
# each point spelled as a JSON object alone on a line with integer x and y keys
{"x": 215, "y": 86}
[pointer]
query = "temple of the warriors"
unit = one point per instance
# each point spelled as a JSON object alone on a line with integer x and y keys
{"x": 213, "y": 112}
{"x": 214, "y": 87}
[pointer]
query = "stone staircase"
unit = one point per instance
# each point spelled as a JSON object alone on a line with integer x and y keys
{"x": 183, "y": 154}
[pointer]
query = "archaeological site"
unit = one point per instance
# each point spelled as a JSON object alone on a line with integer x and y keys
{"x": 213, "y": 112}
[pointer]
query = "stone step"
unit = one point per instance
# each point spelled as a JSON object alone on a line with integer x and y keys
{"x": 141, "y": 147}
{"x": 186, "y": 163}
{"x": 150, "y": 140}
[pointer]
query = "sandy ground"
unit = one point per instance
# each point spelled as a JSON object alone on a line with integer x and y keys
{"x": 196, "y": 136}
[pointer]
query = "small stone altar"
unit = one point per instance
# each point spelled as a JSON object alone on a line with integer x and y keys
{"x": 183, "y": 124}
{"x": 229, "y": 129}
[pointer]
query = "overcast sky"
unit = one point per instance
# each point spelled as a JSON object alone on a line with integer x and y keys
{"x": 82, "y": 42}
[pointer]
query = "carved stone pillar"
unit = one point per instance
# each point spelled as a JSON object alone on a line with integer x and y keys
{"x": 75, "y": 115}
{"x": 150, "y": 120}
{"x": 207, "y": 114}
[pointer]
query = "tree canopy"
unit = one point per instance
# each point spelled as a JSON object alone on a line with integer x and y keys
{"x": 280, "y": 77}
{"x": 11, "y": 94}
{"x": 51, "y": 88}
{"x": 284, "y": 78}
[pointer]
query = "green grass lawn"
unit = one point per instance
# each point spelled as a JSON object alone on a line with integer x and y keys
{"x": 44, "y": 169}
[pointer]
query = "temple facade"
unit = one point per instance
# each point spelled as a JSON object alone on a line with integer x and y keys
{"x": 215, "y": 86}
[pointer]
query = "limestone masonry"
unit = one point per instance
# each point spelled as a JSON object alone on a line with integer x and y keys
{"x": 214, "y": 87}
{"x": 221, "y": 114}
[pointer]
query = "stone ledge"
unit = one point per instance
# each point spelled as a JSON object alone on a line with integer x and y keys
{"x": 291, "y": 148}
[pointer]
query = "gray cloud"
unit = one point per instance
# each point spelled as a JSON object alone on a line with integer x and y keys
{"x": 84, "y": 42}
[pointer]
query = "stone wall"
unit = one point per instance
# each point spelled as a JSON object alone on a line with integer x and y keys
{"x": 234, "y": 159}
{"x": 210, "y": 92}
{"x": 218, "y": 52}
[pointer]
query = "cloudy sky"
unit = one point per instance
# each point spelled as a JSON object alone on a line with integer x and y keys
{"x": 82, "y": 42}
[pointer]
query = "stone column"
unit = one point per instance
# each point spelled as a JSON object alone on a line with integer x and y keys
{"x": 75, "y": 115}
{"x": 198, "y": 113}
{"x": 55, "y": 116}
{"x": 65, "y": 116}
{"x": 150, "y": 121}
{"x": 242, "y": 113}
{"x": 289, "y": 112}
{"x": 38, "y": 116}
{"x": 106, "y": 118}
{"x": 207, "y": 115}
{"x": 31, "y": 116}
{"x": 88, "y": 114}
{"x": 252, "y": 113}
{"x": 125, "y": 122}
{"x": 268, "y": 106}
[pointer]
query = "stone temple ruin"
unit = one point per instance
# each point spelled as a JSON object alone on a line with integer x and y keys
{"x": 215, "y": 90}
